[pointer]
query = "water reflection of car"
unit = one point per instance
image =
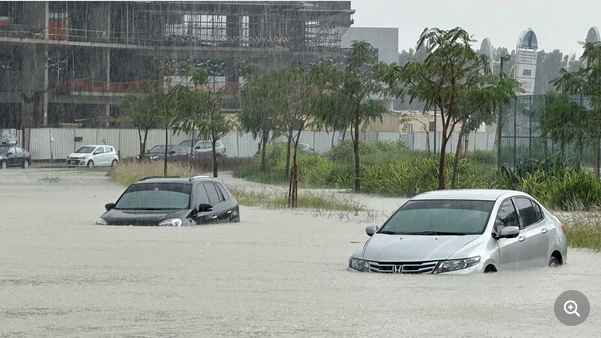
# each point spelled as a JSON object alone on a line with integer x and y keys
{"x": 204, "y": 148}
{"x": 169, "y": 201}
{"x": 13, "y": 156}
{"x": 93, "y": 155}
{"x": 174, "y": 152}
{"x": 464, "y": 231}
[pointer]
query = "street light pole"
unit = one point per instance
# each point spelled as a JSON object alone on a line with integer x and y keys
{"x": 505, "y": 58}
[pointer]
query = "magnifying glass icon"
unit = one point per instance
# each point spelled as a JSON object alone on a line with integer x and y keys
{"x": 571, "y": 308}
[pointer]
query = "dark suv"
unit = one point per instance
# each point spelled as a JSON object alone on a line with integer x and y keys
{"x": 172, "y": 201}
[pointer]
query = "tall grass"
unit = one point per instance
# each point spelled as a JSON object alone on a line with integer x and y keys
{"x": 128, "y": 172}
{"x": 583, "y": 230}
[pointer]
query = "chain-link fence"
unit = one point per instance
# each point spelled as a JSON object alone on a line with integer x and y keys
{"x": 521, "y": 137}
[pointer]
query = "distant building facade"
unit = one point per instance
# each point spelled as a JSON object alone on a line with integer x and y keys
{"x": 72, "y": 62}
{"x": 384, "y": 40}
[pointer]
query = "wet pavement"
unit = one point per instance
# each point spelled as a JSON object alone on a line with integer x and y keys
{"x": 276, "y": 274}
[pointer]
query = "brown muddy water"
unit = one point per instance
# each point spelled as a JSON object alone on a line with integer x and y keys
{"x": 276, "y": 274}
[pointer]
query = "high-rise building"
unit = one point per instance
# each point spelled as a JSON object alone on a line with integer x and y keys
{"x": 66, "y": 62}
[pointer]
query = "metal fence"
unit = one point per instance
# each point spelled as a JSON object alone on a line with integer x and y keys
{"x": 521, "y": 137}
{"x": 58, "y": 143}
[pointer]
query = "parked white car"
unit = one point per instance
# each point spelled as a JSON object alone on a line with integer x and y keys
{"x": 93, "y": 155}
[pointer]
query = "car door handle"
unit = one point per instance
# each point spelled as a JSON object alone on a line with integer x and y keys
{"x": 544, "y": 231}
{"x": 522, "y": 238}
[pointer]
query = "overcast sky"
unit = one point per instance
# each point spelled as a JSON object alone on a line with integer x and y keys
{"x": 557, "y": 24}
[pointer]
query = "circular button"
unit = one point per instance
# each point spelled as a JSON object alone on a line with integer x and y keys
{"x": 572, "y": 308}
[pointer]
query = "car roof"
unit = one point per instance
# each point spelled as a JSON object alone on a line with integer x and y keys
{"x": 96, "y": 145}
{"x": 180, "y": 180}
{"x": 468, "y": 194}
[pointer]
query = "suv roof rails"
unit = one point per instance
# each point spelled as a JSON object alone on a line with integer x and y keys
{"x": 197, "y": 177}
{"x": 149, "y": 177}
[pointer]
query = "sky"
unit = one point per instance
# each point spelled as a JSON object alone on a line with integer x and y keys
{"x": 557, "y": 24}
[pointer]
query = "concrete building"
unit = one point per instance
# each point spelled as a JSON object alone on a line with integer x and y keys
{"x": 385, "y": 40}
{"x": 72, "y": 62}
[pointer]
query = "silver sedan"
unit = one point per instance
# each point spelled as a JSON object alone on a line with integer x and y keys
{"x": 464, "y": 231}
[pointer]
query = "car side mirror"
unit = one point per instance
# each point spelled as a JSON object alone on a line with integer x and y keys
{"x": 96, "y": 153}
{"x": 197, "y": 147}
{"x": 509, "y": 232}
{"x": 370, "y": 230}
{"x": 202, "y": 207}
{"x": 109, "y": 206}
{"x": 172, "y": 152}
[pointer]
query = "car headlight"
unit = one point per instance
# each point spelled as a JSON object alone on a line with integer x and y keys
{"x": 154, "y": 157}
{"x": 358, "y": 264}
{"x": 101, "y": 221}
{"x": 457, "y": 264}
{"x": 85, "y": 157}
{"x": 173, "y": 222}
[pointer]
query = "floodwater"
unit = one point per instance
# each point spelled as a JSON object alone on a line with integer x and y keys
{"x": 275, "y": 274}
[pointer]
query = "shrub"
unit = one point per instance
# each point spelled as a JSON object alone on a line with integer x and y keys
{"x": 128, "y": 172}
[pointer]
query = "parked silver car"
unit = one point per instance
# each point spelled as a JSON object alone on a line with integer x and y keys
{"x": 93, "y": 155}
{"x": 464, "y": 231}
{"x": 204, "y": 148}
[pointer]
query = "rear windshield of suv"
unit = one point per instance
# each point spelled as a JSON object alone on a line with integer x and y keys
{"x": 155, "y": 196}
{"x": 440, "y": 217}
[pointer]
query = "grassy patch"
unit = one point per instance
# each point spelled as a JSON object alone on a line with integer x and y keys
{"x": 276, "y": 198}
{"x": 128, "y": 172}
{"x": 50, "y": 179}
{"x": 584, "y": 230}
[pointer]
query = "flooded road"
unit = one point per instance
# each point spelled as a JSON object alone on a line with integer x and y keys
{"x": 275, "y": 274}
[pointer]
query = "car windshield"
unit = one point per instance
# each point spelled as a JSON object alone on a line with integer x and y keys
{"x": 85, "y": 150}
{"x": 439, "y": 217}
{"x": 186, "y": 143}
{"x": 155, "y": 196}
{"x": 4, "y": 150}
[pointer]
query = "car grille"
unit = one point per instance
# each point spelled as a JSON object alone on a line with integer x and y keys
{"x": 403, "y": 267}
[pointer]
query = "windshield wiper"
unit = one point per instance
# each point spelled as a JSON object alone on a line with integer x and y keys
{"x": 440, "y": 233}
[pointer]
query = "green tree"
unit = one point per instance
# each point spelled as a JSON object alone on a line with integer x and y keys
{"x": 451, "y": 76}
{"x": 200, "y": 107}
{"x": 585, "y": 82}
{"x": 144, "y": 117}
{"x": 261, "y": 108}
{"x": 355, "y": 90}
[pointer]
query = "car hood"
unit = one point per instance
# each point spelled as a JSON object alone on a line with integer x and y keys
{"x": 407, "y": 248}
{"x": 142, "y": 217}
{"x": 79, "y": 155}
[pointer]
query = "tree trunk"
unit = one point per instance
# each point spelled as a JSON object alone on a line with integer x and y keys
{"x": 343, "y": 134}
{"x": 191, "y": 158}
{"x": 333, "y": 134}
{"x": 357, "y": 161}
{"x": 293, "y": 187}
{"x": 286, "y": 171}
{"x": 215, "y": 164}
{"x": 144, "y": 144}
{"x": 456, "y": 161}
{"x": 466, "y": 138}
{"x": 264, "y": 139}
{"x": 140, "y": 154}
{"x": 443, "y": 149}
{"x": 596, "y": 156}
{"x": 166, "y": 150}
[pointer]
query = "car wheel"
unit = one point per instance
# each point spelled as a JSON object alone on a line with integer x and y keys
{"x": 219, "y": 157}
{"x": 554, "y": 262}
{"x": 26, "y": 164}
{"x": 3, "y": 165}
{"x": 90, "y": 164}
{"x": 114, "y": 163}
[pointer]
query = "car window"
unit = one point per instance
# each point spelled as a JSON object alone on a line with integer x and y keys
{"x": 18, "y": 150}
{"x": 155, "y": 196}
{"x": 223, "y": 192}
{"x": 538, "y": 211}
{"x": 108, "y": 149}
{"x": 201, "y": 195}
{"x": 526, "y": 211}
{"x": 85, "y": 150}
{"x": 99, "y": 150}
{"x": 12, "y": 150}
{"x": 506, "y": 216}
{"x": 214, "y": 197}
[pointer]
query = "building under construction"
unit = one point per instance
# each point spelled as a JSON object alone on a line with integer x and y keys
{"x": 72, "y": 62}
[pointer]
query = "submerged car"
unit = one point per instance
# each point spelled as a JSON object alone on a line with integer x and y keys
{"x": 93, "y": 156}
{"x": 464, "y": 231}
{"x": 172, "y": 201}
